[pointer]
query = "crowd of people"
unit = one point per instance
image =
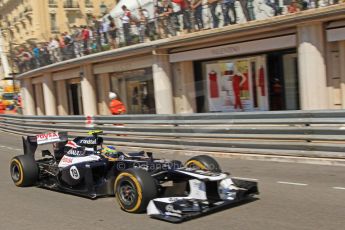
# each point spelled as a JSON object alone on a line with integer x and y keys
{"x": 171, "y": 18}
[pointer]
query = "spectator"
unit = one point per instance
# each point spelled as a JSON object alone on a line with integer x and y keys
{"x": 116, "y": 106}
{"x": 151, "y": 30}
{"x": 61, "y": 46}
{"x": 26, "y": 58}
{"x": 248, "y": 15}
{"x": 45, "y": 58}
{"x": 143, "y": 20}
{"x": 226, "y": 7}
{"x": 77, "y": 38}
{"x": 97, "y": 31}
{"x": 69, "y": 46}
{"x": 36, "y": 52}
{"x": 126, "y": 24}
{"x": 274, "y": 4}
{"x": 196, "y": 6}
{"x": 184, "y": 7}
{"x": 112, "y": 32}
{"x": 85, "y": 36}
{"x": 164, "y": 12}
{"x": 293, "y": 7}
{"x": 104, "y": 31}
{"x": 53, "y": 48}
{"x": 212, "y": 4}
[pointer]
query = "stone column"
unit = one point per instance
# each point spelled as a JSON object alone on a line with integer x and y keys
{"x": 103, "y": 93}
{"x": 312, "y": 67}
{"x": 49, "y": 95}
{"x": 184, "y": 87}
{"x": 342, "y": 71}
{"x": 39, "y": 99}
{"x": 62, "y": 98}
{"x": 162, "y": 83}
{"x": 28, "y": 96}
{"x": 88, "y": 90}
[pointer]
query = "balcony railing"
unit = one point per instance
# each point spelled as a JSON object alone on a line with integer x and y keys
{"x": 71, "y": 5}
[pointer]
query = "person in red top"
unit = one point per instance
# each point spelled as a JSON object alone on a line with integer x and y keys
{"x": 116, "y": 106}
{"x": 85, "y": 35}
{"x": 2, "y": 107}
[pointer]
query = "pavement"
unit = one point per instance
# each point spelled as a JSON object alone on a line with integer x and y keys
{"x": 293, "y": 196}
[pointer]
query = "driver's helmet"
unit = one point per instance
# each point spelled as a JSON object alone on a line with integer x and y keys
{"x": 108, "y": 150}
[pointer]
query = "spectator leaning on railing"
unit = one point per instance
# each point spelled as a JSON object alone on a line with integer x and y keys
{"x": 212, "y": 5}
{"x": 196, "y": 7}
{"x": 126, "y": 24}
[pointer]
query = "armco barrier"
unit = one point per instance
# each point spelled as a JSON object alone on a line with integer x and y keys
{"x": 284, "y": 133}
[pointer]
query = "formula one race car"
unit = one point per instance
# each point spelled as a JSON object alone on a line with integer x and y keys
{"x": 166, "y": 189}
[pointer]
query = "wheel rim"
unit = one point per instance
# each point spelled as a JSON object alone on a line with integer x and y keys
{"x": 195, "y": 165}
{"x": 15, "y": 173}
{"x": 127, "y": 193}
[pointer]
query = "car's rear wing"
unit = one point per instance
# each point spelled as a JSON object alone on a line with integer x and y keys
{"x": 30, "y": 143}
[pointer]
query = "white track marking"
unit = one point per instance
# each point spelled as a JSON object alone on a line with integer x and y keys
{"x": 291, "y": 183}
{"x": 339, "y": 188}
{"x": 243, "y": 178}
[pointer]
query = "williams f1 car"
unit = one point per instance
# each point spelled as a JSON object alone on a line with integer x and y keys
{"x": 165, "y": 189}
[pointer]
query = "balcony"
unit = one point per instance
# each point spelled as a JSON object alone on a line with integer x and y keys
{"x": 52, "y": 4}
{"x": 71, "y": 5}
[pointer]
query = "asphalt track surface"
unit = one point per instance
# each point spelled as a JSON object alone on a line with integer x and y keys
{"x": 293, "y": 196}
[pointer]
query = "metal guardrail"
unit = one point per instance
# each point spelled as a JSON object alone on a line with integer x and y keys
{"x": 285, "y": 133}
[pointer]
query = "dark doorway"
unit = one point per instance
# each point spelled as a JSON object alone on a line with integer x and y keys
{"x": 75, "y": 99}
{"x": 283, "y": 81}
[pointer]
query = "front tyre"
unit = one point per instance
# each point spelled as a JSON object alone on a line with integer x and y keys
{"x": 203, "y": 162}
{"x": 24, "y": 171}
{"x": 134, "y": 188}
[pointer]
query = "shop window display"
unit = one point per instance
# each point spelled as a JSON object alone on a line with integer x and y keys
{"x": 236, "y": 85}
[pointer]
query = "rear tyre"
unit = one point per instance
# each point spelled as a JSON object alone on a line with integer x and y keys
{"x": 203, "y": 162}
{"x": 134, "y": 188}
{"x": 24, "y": 170}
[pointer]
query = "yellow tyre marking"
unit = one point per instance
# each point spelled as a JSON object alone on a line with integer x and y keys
{"x": 21, "y": 175}
{"x": 196, "y": 163}
{"x": 137, "y": 184}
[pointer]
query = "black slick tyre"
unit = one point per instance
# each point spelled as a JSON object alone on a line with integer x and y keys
{"x": 134, "y": 188}
{"x": 24, "y": 170}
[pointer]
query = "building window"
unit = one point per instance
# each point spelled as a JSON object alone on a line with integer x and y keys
{"x": 53, "y": 22}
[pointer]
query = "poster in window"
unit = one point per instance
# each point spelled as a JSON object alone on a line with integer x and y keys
{"x": 228, "y": 86}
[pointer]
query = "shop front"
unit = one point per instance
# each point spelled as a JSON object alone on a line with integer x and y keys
{"x": 230, "y": 80}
